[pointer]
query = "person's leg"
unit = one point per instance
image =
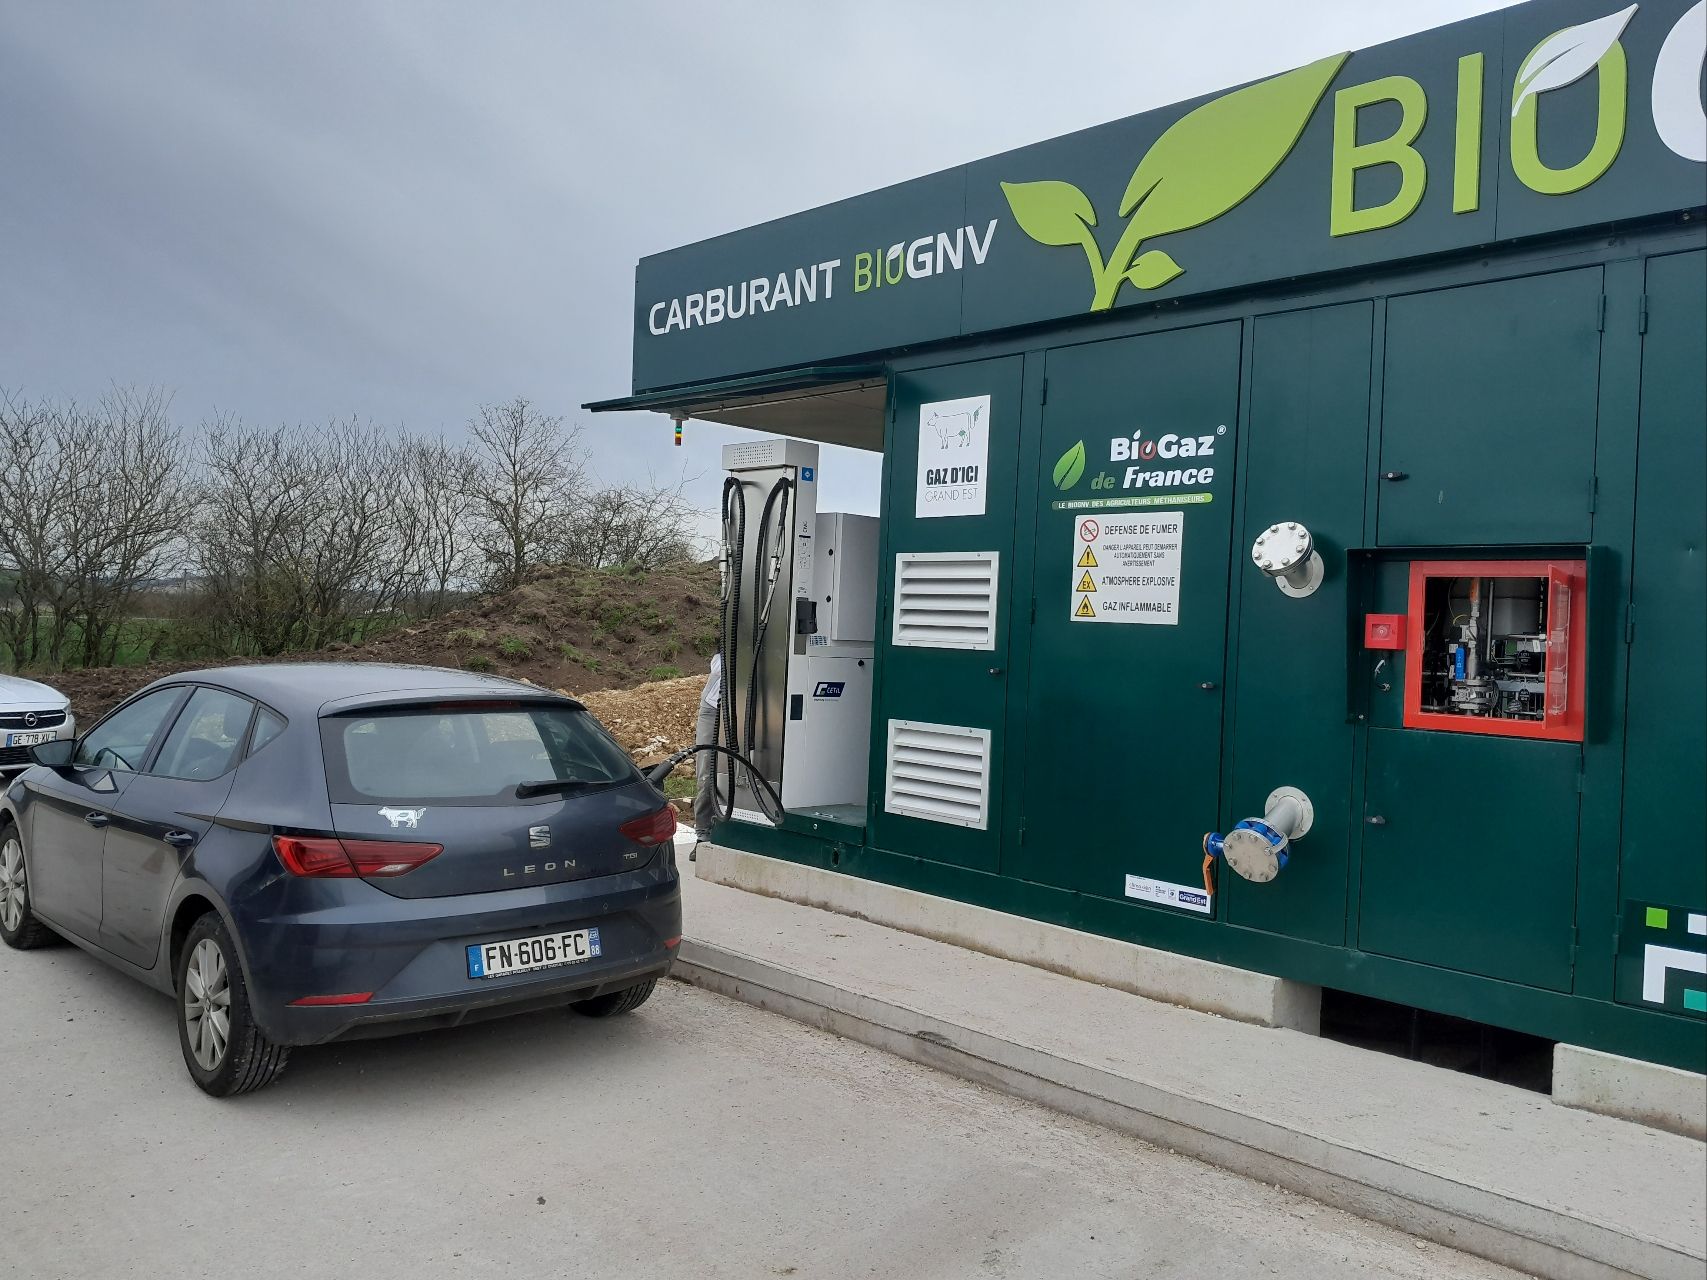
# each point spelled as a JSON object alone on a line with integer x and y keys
{"x": 705, "y": 813}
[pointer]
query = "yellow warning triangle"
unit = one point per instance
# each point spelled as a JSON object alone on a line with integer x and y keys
{"x": 1086, "y": 582}
{"x": 1085, "y": 609}
{"x": 1087, "y": 561}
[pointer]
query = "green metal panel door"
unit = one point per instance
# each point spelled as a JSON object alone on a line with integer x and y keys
{"x": 1470, "y": 854}
{"x": 1124, "y": 700}
{"x": 1489, "y": 411}
{"x": 1665, "y": 801}
{"x": 936, "y": 737}
{"x": 1305, "y": 461}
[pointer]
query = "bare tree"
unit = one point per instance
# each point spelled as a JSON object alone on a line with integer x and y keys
{"x": 649, "y": 528}
{"x": 439, "y": 478}
{"x": 32, "y": 473}
{"x": 94, "y": 502}
{"x": 531, "y": 476}
{"x": 293, "y": 538}
{"x": 124, "y": 509}
{"x": 259, "y": 501}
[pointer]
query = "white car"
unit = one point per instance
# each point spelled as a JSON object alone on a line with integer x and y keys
{"x": 30, "y": 713}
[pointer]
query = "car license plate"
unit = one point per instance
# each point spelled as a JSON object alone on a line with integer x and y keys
{"x": 34, "y": 738}
{"x": 522, "y": 955}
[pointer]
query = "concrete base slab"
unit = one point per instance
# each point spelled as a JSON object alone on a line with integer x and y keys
{"x": 1630, "y": 1089}
{"x": 1482, "y": 1167}
{"x": 1146, "y": 971}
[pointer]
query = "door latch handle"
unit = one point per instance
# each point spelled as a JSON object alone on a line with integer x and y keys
{"x": 1376, "y": 820}
{"x": 995, "y": 671}
{"x": 95, "y": 819}
{"x": 1392, "y": 476}
{"x": 180, "y": 839}
{"x": 1208, "y": 686}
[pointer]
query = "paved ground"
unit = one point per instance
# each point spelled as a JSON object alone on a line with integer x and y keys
{"x": 698, "y": 1137}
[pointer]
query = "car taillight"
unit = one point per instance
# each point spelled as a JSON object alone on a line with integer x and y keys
{"x": 328, "y": 856}
{"x": 654, "y": 828}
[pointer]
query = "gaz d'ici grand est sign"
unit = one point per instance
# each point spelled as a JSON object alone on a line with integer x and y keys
{"x": 1549, "y": 116}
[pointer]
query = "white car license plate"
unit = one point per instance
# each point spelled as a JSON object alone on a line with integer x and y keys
{"x": 521, "y": 955}
{"x": 33, "y": 738}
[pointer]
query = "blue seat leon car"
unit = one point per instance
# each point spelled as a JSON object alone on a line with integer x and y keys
{"x": 302, "y": 853}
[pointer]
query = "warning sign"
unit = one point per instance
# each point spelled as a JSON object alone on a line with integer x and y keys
{"x": 1137, "y": 560}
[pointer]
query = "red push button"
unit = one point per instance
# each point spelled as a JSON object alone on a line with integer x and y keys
{"x": 1383, "y": 631}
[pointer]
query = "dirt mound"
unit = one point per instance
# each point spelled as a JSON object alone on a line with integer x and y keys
{"x": 570, "y": 628}
{"x": 650, "y": 721}
{"x": 573, "y": 629}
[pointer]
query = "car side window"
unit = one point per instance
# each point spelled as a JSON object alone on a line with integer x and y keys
{"x": 121, "y": 741}
{"x": 207, "y": 736}
{"x": 268, "y": 726}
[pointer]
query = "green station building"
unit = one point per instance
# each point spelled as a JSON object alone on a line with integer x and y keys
{"x": 1293, "y": 534}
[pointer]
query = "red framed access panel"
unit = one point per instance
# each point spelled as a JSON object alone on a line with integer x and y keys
{"x": 1566, "y": 632}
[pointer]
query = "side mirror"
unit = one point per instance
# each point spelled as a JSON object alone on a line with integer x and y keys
{"x": 57, "y": 754}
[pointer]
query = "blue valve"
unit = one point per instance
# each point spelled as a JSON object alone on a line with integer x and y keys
{"x": 1259, "y": 848}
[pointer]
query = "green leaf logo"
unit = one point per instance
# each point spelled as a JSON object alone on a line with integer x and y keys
{"x": 1070, "y": 467}
{"x": 1206, "y": 164}
{"x": 1050, "y": 212}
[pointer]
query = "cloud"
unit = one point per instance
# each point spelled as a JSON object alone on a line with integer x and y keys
{"x": 399, "y": 210}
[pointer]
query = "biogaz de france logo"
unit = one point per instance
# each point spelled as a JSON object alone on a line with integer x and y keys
{"x": 1180, "y": 457}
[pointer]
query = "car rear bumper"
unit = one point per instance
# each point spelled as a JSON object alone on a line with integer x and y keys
{"x": 411, "y": 954}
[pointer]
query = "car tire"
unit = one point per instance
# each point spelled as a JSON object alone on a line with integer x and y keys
{"x": 614, "y": 1002}
{"x": 19, "y": 928}
{"x": 225, "y": 1051}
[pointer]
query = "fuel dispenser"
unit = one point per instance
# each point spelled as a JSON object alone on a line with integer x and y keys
{"x": 798, "y": 620}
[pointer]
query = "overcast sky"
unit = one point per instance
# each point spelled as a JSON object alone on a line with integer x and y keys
{"x": 400, "y": 210}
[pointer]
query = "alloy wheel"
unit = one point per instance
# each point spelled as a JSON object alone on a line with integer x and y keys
{"x": 12, "y": 884}
{"x": 207, "y": 1004}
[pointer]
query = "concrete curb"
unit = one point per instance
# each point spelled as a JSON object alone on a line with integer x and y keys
{"x": 1241, "y": 994}
{"x": 1645, "y": 1092}
{"x": 1540, "y": 1239}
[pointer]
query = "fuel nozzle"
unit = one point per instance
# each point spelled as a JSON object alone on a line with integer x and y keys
{"x": 1257, "y": 848}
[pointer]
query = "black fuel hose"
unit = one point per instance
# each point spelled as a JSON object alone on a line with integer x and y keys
{"x": 762, "y": 789}
{"x": 734, "y": 553}
{"x": 764, "y": 594}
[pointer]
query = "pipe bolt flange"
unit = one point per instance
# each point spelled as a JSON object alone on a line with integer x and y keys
{"x": 1287, "y": 553}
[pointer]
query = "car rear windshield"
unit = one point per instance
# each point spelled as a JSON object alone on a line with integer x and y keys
{"x": 468, "y": 753}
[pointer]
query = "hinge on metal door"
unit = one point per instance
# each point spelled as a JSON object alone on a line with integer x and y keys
{"x": 1642, "y": 314}
{"x": 1600, "y": 317}
{"x": 1034, "y": 608}
{"x": 1576, "y": 940}
{"x": 1020, "y": 838}
{"x": 1630, "y": 623}
{"x": 1593, "y": 493}
{"x": 1046, "y": 391}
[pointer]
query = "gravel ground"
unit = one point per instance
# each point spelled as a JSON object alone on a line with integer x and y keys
{"x": 697, "y": 1137}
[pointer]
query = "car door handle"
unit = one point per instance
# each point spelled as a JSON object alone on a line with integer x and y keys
{"x": 180, "y": 839}
{"x": 95, "y": 819}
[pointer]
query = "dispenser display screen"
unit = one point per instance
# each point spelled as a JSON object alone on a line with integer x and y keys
{"x": 1496, "y": 647}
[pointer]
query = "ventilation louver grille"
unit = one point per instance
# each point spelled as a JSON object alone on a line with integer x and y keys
{"x": 939, "y": 772}
{"x": 946, "y": 599}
